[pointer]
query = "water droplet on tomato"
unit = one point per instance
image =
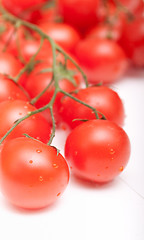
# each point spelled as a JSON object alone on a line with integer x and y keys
{"x": 121, "y": 168}
{"x": 112, "y": 151}
{"x": 58, "y": 194}
{"x": 25, "y": 107}
{"x": 55, "y": 165}
{"x": 38, "y": 151}
{"x": 31, "y": 161}
{"x": 41, "y": 178}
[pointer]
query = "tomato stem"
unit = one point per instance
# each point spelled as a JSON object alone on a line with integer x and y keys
{"x": 55, "y": 77}
{"x": 28, "y": 66}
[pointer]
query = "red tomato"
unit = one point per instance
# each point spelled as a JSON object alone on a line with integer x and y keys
{"x": 133, "y": 41}
{"x": 9, "y": 90}
{"x": 82, "y": 14}
{"x": 30, "y": 46}
{"x": 9, "y": 65}
{"x": 97, "y": 150}
{"x": 37, "y": 82}
{"x": 36, "y": 126}
{"x": 32, "y": 174}
{"x": 102, "y": 60}
{"x": 48, "y": 15}
{"x": 103, "y": 99}
{"x": 27, "y": 10}
{"x": 21, "y": 5}
{"x": 63, "y": 34}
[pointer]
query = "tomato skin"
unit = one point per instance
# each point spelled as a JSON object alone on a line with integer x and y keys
{"x": 32, "y": 175}
{"x": 102, "y": 98}
{"x": 81, "y": 14}
{"x": 97, "y": 150}
{"x": 36, "y": 126}
{"x": 20, "y": 5}
{"x": 102, "y": 60}
{"x": 9, "y": 65}
{"x": 133, "y": 41}
{"x": 37, "y": 82}
{"x": 9, "y": 90}
{"x": 63, "y": 34}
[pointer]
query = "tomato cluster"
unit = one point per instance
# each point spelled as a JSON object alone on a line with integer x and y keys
{"x": 43, "y": 68}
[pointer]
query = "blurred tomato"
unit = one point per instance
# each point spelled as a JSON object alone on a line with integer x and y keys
{"x": 102, "y": 60}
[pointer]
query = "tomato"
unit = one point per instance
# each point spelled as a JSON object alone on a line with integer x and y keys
{"x": 29, "y": 47}
{"x": 97, "y": 150}
{"x": 20, "y": 5}
{"x": 102, "y": 60}
{"x": 9, "y": 90}
{"x": 63, "y": 34}
{"x": 32, "y": 174}
{"x": 102, "y": 98}
{"x": 37, "y": 82}
{"x": 82, "y": 14}
{"x": 48, "y": 15}
{"x": 104, "y": 32}
{"x": 9, "y": 65}
{"x": 36, "y": 126}
{"x": 133, "y": 41}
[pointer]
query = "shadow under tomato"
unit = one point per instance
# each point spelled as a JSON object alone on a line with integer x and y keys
{"x": 27, "y": 211}
{"x": 92, "y": 185}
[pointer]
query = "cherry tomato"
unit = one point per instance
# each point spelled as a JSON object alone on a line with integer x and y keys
{"x": 82, "y": 14}
{"x": 133, "y": 41}
{"x": 36, "y": 126}
{"x": 9, "y": 65}
{"x": 37, "y": 82}
{"x": 32, "y": 174}
{"x": 102, "y": 60}
{"x": 20, "y": 5}
{"x": 97, "y": 150}
{"x": 30, "y": 46}
{"x": 63, "y": 34}
{"x": 102, "y": 98}
{"x": 9, "y": 90}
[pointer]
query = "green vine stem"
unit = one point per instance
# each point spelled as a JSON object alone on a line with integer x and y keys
{"x": 9, "y": 17}
{"x": 28, "y": 66}
{"x": 55, "y": 78}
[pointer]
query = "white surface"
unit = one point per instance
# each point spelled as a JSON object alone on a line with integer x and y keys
{"x": 113, "y": 211}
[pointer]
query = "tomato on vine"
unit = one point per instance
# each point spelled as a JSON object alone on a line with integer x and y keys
{"x": 9, "y": 90}
{"x": 102, "y": 60}
{"x": 39, "y": 80}
{"x": 97, "y": 150}
{"x": 33, "y": 174}
{"x": 63, "y": 34}
{"x": 36, "y": 126}
{"x": 81, "y": 14}
{"x": 102, "y": 98}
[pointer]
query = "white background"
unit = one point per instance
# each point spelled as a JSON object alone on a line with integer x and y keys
{"x": 112, "y": 211}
